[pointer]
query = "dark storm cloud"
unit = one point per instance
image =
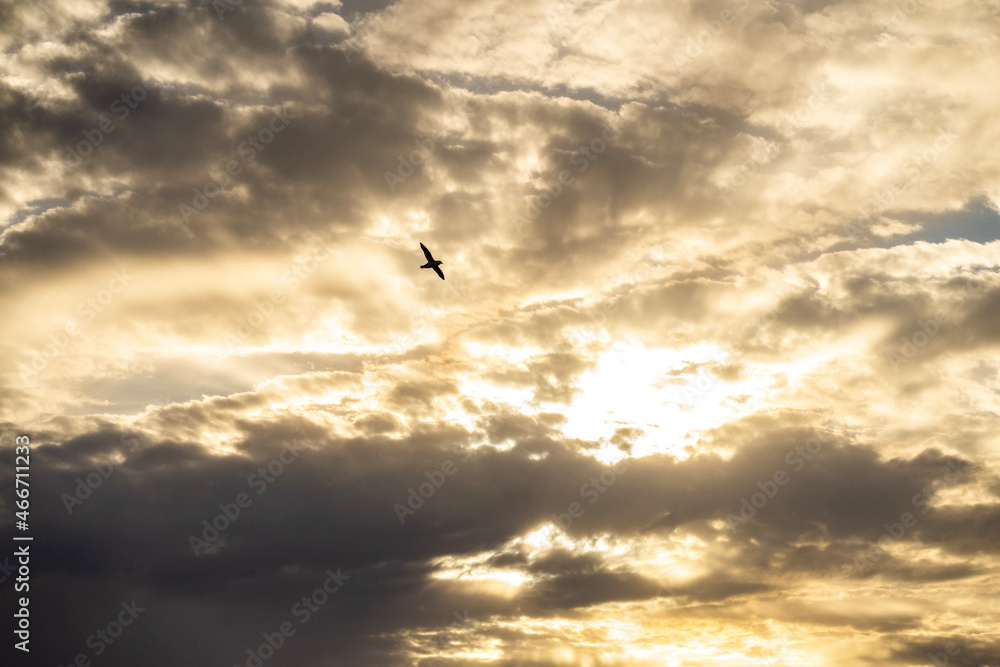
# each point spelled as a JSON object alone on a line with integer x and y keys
{"x": 965, "y": 530}
{"x": 331, "y": 505}
{"x": 173, "y": 142}
{"x": 17, "y": 147}
{"x": 845, "y": 490}
{"x": 717, "y": 587}
{"x": 568, "y": 591}
{"x": 945, "y": 649}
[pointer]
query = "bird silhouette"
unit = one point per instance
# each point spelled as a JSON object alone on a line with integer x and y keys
{"x": 431, "y": 262}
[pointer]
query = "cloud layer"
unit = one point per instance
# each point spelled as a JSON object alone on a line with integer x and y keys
{"x": 713, "y": 377}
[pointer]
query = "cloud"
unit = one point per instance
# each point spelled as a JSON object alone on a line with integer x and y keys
{"x": 720, "y": 314}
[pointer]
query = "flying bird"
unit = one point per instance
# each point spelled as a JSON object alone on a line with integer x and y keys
{"x": 431, "y": 262}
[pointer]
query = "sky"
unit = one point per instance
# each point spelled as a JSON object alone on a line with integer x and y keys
{"x": 712, "y": 378}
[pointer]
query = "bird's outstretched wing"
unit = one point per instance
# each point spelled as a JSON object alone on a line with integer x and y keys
{"x": 437, "y": 270}
{"x": 427, "y": 253}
